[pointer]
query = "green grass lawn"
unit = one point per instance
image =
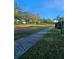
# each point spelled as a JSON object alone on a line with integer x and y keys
{"x": 50, "y": 47}
{"x": 27, "y": 25}
{"x": 27, "y": 33}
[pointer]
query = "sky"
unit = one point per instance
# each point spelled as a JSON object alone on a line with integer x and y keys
{"x": 45, "y": 8}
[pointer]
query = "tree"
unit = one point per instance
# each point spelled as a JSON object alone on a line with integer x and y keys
{"x": 16, "y": 11}
{"x": 36, "y": 18}
{"x": 46, "y": 21}
{"x": 25, "y": 17}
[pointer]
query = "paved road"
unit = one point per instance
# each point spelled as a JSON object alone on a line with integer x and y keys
{"x": 24, "y": 44}
{"x": 18, "y": 30}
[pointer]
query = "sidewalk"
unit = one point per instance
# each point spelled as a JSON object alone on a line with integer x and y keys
{"x": 24, "y": 44}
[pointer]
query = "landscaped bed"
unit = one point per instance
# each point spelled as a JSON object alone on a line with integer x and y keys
{"x": 50, "y": 47}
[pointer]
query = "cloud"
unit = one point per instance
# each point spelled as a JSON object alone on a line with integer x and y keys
{"x": 57, "y": 4}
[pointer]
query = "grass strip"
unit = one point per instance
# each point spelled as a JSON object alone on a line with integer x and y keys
{"x": 27, "y": 25}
